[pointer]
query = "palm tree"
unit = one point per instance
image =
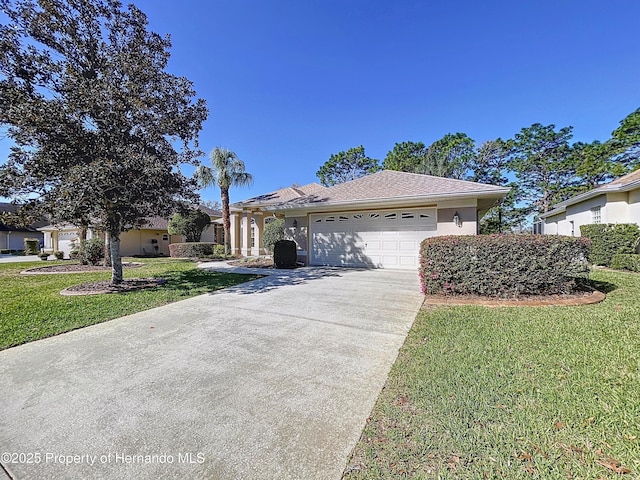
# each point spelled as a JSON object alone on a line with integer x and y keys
{"x": 226, "y": 171}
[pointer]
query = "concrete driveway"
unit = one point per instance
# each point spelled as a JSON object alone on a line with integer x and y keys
{"x": 269, "y": 379}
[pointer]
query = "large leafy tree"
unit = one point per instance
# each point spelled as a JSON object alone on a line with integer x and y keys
{"x": 99, "y": 127}
{"x": 344, "y": 166}
{"x": 544, "y": 167}
{"x": 490, "y": 165}
{"x": 448, "y": 157}
{"x": 625, "y": 141}
{"x": 405, "y": 157}
{"x": 190, "y": 223}
{"x": 596, "y": 163}
{"x": 226, "y": 171}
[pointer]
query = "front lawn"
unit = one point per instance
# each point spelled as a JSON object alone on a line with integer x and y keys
{"x": 519, "y": 392}
{"x": 32, "y": 307}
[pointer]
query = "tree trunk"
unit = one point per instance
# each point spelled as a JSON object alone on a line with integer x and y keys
{"x": 116, "y": 259}
{"x": 226, "y": 220}
{"x": 107, "y": 251}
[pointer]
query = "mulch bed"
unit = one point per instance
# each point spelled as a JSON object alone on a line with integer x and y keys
{"x": 105, "y": 286}
{"x": 579, "y": 298}
{"x": 76, "y": 268}
{"x": 266, "y": 263}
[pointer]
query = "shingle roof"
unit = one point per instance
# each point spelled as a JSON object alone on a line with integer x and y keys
{"x": 386, "y": 184}
{"x": 283, "y": 195}
{"x": 210, "y": 211}
{"x": 393, "y": 184}
{"x": 625, "y": 180}
{"x": 155, "y": 223}
{"x": 13, "y": 208}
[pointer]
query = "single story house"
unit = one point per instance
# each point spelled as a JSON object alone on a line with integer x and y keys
{"x": 374, "y": 221}
{"x": 12, "y": 236}
{"x": 151, "y": 239}
{"x": 615, "y": 202}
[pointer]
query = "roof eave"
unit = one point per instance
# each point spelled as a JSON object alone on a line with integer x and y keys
{"x": 603, "y": 190}
{"x": 394, "y": 201}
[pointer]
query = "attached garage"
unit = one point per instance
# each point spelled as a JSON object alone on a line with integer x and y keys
{"x": 372, "y": 238}
{"x": 66, "y": 240}
{"x": 377, "y": 221}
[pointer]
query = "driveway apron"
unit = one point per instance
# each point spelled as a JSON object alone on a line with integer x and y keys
{"x": 270, "y": 379}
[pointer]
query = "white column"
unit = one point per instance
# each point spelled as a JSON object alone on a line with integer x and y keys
{"x": 235, "y": 234}
{"x": 246, "y": 234}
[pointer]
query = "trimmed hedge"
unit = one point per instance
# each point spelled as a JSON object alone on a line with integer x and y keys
{"x": 626, "y": 261}
{"x": 609, "y": 239}
{"x": 285, "y": 254}
{"x": 503, "y": 265}
{"x": 194, "y": 249}
{"x": 31, "y": 246}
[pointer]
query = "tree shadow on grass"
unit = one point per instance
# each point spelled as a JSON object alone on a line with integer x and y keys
{"x": 604, "y": 287}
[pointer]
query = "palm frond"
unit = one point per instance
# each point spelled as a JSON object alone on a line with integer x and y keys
{"x": 205, "y": 176}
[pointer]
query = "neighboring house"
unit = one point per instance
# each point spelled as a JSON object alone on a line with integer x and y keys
{"x": 12, "y": 236}
{"x": 214, "y": 233}
{"x": 375, "y": 221}
{"x": 615, "y": 202}
{"x": 151, "y": 239}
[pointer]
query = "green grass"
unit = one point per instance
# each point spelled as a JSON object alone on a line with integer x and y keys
{"x": 522, "y": 392}
{"x": 32, "y": 307}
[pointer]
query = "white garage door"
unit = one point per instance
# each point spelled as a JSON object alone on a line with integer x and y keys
{"x": 380, "y": 238}
{"x": 65, "y": 240}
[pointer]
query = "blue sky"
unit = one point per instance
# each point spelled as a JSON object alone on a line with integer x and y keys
{"x": 289, "y": 82}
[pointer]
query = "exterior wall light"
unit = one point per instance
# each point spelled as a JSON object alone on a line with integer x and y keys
{"x": 295, "y": 223}
{"x": 456, "y": 220}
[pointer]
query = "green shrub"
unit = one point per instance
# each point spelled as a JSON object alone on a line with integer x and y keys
{"x": 285, "y": 254}
{"x": 218, "y": 251}
{"x": 58, "y": 254}
{"x": 610, "y": 239}
{"x": 44, "y": 255}
{"x": 91, "y": 251}
{"x": 503, "y": 265}
{"x": 626, "y": 261}
{"x": 31, "y": 246}
{"x": 194, "y": 250}
{"x": 191, "y": 225}
{"x": 273, "y": 232}
{"x": 4, "y": 251}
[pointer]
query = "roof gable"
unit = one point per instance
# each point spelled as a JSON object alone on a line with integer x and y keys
{"x": 282, "y": 195}
{"x": 394, "y": 184}
{"x": 626, "y": 179}
{"x": 210, "y": 211}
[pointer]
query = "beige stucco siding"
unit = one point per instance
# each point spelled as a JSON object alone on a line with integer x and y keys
{"x": 580, "y": 214}
{"x": 617, "y": 208}
{"x": 634, "y": 206}
{"x": 140, "y": 242}
{"x": 298, "y": 234}
{"x": 568, "y": 222}
{"x": 554, "y": 223}
{"x": 468, "y": 217}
